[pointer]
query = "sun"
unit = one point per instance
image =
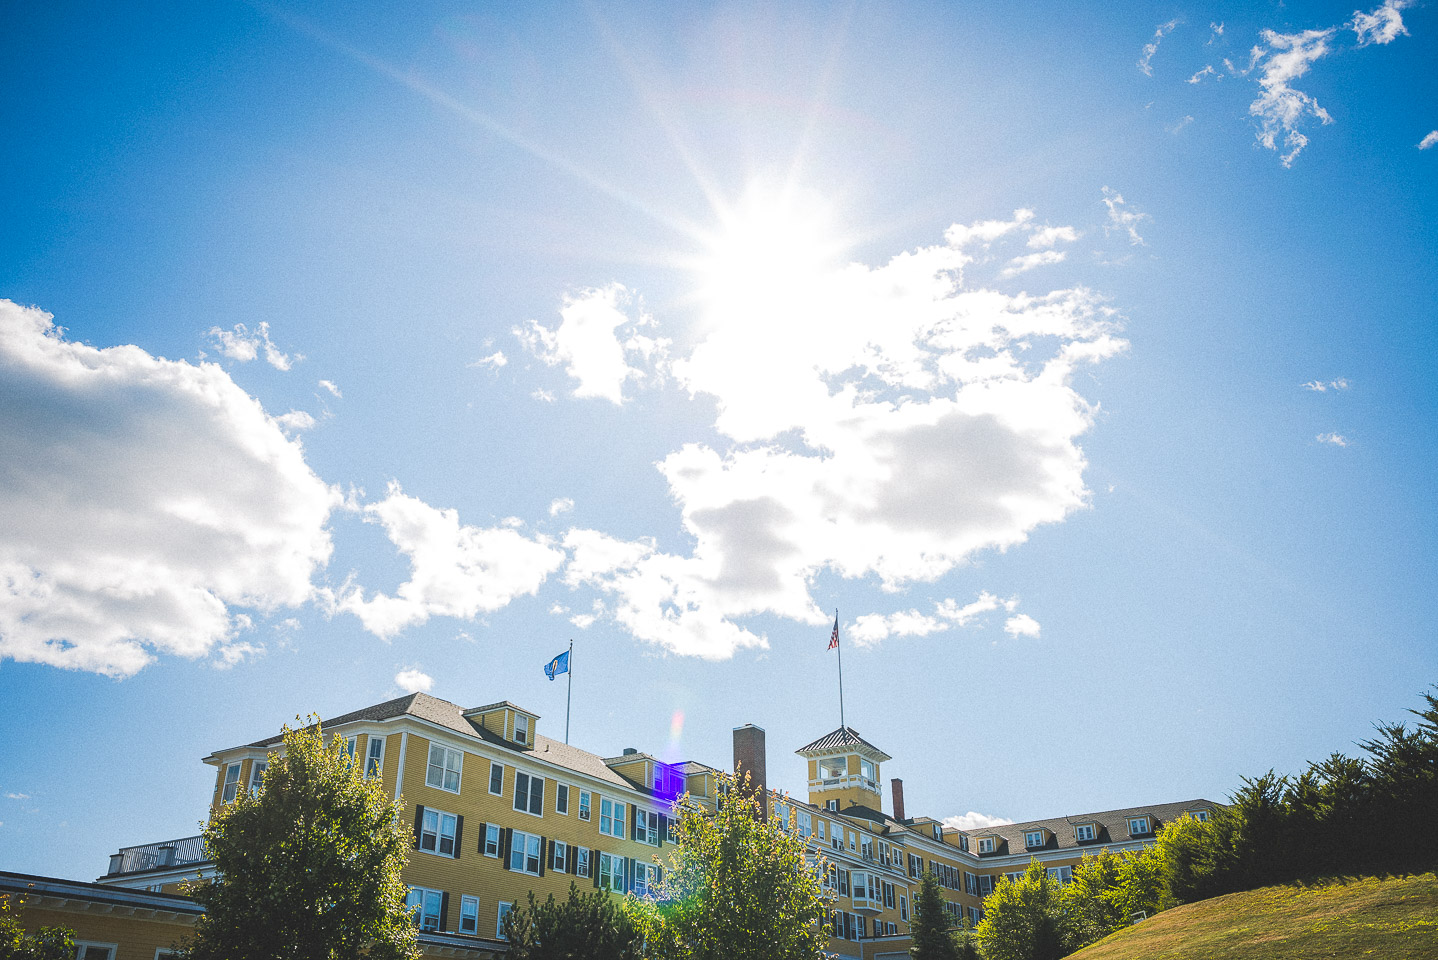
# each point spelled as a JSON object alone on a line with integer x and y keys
{"x": 767, "y": 248}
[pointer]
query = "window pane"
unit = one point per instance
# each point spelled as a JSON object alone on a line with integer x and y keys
{"x": 536, "y": 796}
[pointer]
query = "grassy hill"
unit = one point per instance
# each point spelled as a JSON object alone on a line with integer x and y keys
{"x": 1387, "y": 919}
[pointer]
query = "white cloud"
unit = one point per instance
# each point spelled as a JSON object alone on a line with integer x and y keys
{"x": 583, "y": 620}
{"x": 985, "y": 231}
{"x": 17, "y": 796}
{"x": 455, "y": 570}
{"x": 974, "y": 820}
{"x": 1145, "y": 62}
{"x": 243, "y": 345}
{"x": 1027, "y": 262}
{"x": 1279, "y": 108}
{"x": 596, "y": 340}
{"x": 1021, "y": 625}
{"x": 1428, "y": 141}
{"x": 1120, "y": 217}
{"x": 1383, "y": 25}
{"x": 1046, "y": 237}
{"x": 1207, "y": 71}
{"x": 296, "y": 421}
{"x": 871, "y": 628}
{"x": 413, "y": 681}
{"x": 142, "y": 499}
{"x": 1336, "y": 439}
{"x": 1178, "y": 127}
{"x": 237, "y": 652}
{"x": 334, "y": 390}
{"x": 560, "y": 505}
{"x": 930, "y": 421}
{"x": 543, "y": 396}
{"x": 1215, "y": 31}
{"x": 1321, "y": 386}
{"x": 494, "y": 361}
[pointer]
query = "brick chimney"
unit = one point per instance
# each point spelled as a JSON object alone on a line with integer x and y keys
{"x": 749, "y": 758}
{"x": 898, "y": 786}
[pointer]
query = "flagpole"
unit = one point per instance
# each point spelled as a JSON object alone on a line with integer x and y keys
{"x": 569, "y": 695}
{"x": 841, "y": 669}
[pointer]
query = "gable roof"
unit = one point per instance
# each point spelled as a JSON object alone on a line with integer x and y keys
{"x": 845, "y": 736}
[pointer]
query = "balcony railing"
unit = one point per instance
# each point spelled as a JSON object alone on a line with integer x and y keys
{"x": 154, "y": 856}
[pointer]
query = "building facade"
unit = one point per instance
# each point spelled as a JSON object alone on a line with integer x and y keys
{"x": 499, "y": 810}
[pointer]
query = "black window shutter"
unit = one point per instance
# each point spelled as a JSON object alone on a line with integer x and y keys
{"x": 628, "y": 874}
{"x": 506, "y": 837}
{"x": 483, "y": 835}
{"x": 545, "y": 846}
{"x": 663, "y": 829}
{"x": 444, "y": 911}
{"x": 571, "y": 859}
{"x": 418, "y": 823}
{"x": 458, "y": 834}
{"x": 594, "y": 867}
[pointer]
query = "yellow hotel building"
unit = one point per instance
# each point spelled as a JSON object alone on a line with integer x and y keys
{"x": 499, "y": 810}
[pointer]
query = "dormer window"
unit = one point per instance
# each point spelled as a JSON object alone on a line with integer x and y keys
{"x": 1200, "y": 815}
{"x": 521, "y": 728}
{"x": 1084, "y": 832}
{"x": 986, "y": 844}
{"x": 938, "y": 829}
{"x": 963, "y": 842}
{"x": 1033, "y": 838}
{"x": 1137, "y": 826}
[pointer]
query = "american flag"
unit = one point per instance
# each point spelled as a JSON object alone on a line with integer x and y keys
{"x": 834, "y": 637}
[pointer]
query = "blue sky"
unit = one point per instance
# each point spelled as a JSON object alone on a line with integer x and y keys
{"x": 1082, "y": 359}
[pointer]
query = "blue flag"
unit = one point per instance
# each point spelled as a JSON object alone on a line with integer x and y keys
{"x": 558, "y": 665}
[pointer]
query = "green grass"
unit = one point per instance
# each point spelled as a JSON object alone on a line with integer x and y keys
{"x": 1394, "y": 918}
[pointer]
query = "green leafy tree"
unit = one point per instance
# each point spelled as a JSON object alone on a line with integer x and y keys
{"x": 1092, "y": 901}
{"x": 929, "y": 928}
{"x": 583, "y": 927}
{"x": 1024, "y": 919}
{"x": 309, "y": 866}
{"x": 737, "y": 887}
{"x": 1187, "y": 846}
{"x": 47, "y": 943}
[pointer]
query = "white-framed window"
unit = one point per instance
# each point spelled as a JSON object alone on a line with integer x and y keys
{"x": 646, "y": 827}
{"x": 831, "y": 805}
{"x": 1137, "y": 825}
{"x": 1061, "y": 874}
{"x": 496, "y": 778}
{"x": 832, "y": 768}
{"x": 436, "y": 832}
{"x": 561, "y": 798}
{"x": 374, "y": 762}
{"x": 499, "y": 921}
{"x": 524, "y": 853}
{"x": 986, "y": 884}
{"x": 1201, "y": 816}
{"x": 781, "y": 815}
{"x": 444, "y": 767}
{"x": 868, "y": 770}
{"x": 257, "y": 775}
{"x": 558, "y": 856}
{"x": 1034, "y": 838}
{"x": 469, "y": 915}
{"x": 853, "y": 841}
{"x": 232, "y": 783}
{"x": 351, "y": 744}
{"x": 611, "y": 818}
{"x": 491, "y": 840}
{"x": 806, "y": 823}
{"x": 165, "y": 953}
{"x": 975, "y": 915}
{"x": 645, "y": 876}
{"x": 584, "y": 804}
{"x": 425, "y": 905}
{"x": 611, "y": 873}
{"x": 581, "y": 862}
{"x": 521, "y": 728}
{"x": 986, "y": 844}
{"x": 1084, "y": 832}
{"x": 903, "y": 908}
{"x": 1016, "y": 876}
{"x": 963, "y": 842}
{"x": 528, "y": 794}
{"x": 823, "y": 825}
{"x": 86, "y": 950}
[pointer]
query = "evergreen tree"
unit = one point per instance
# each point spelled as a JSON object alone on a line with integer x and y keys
{"x": 737, "y": 887}
{"x": 309, "y": 866}
{"x": 582, "y": 927}
{"x": 47, "y": 943}
{"x": 929, "y": 929}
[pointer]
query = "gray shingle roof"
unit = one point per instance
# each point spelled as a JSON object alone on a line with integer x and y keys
{"x": 843, "y": 737}
{"x": 1112, "y": 827}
